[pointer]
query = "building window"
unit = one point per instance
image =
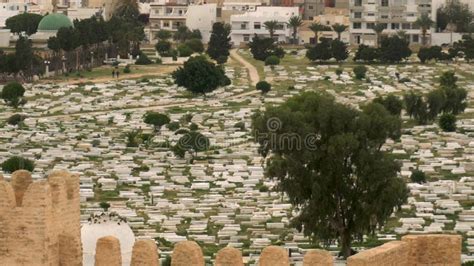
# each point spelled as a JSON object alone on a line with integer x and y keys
{"x": 246, "y": 37}
{"x": 357, "y": 25}
{"x": 370, "y": 25}
{"x": 243, "y": 26}
{"x": 370, "y": 14}
{"x": 256, "y": 25}
{"x": 310, "y": 7}
{"x": 166, "y": 24}
{"x": 395, "y": 26}
{"x": 384, "y": 3}
{"x": 357, "y": 14}
{"x": 384, "y": 16}
{"x": 406, "y": 26}
{"x": 357, "y": 2}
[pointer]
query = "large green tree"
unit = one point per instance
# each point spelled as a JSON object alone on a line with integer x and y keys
{"x": 394, "y": 49}
{"x": 219, "y": 43}
{"x": 261, "y": 48}
{"x": 327, "y": 158}
{"x": 199, "y": 75}
{"x": 25, "y": 22}
{"x": 156, "y": 119}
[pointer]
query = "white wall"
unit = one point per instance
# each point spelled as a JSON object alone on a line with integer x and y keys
{"x": 261, "y": 15}
{"x": 4, "y": 38}
{"x": 445, "y": 38}
{"x": 202, "y": 17}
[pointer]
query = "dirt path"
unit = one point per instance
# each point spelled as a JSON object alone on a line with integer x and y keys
{"x": 253, "y": 73}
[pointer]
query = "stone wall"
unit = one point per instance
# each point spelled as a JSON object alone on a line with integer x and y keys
{"x": 40, "y": 221}
{"x": 413, "y": 250}
{"x": 40, "y": 225}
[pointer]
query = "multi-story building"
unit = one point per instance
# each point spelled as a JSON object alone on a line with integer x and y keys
{"x": 246, "y": 25}
{"x": 168, "y": 15}
{"x": 394, "y": 15}
{"x": 235, "y": 7}
{"x": 312, "y": 8}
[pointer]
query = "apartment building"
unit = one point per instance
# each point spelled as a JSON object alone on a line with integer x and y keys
{"x": 245, "y": 26}
{"x": 395, "y": 15}
{"x": 168, "y": 15}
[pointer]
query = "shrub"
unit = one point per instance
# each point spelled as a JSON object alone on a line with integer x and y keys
{"x": 127, "y": 70}
{"x": 104, "y": 205}
{"x": 15, "y": 119}
{"x": 447, "y": 122}
{"x": 17, "y": 163}
{"x": 338, "y": 71}
{"x": 143, "y": 59}
{"x": 173, "y": 126}
{"x": 184, "y": 50}
{"x": 12, "y": 94}
{"x": 193, "y": 127}
{"x": 263, "y": 86}
{"x": 159, "y": 61}
{"x": 195, "y": 45}
{"x": 163, "y": 48}
{"x": 156, "y": 119}
{"x": 272, "y": 60}
{"x": 359, "y": 72}
{"x": 418, "y": 176}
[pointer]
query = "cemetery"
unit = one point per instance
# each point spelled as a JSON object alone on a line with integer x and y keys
{"x": 221, "y": 197}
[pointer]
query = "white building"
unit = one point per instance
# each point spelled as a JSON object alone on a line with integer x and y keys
{"x": 395, "y": 15}
{"x": 202, "y": 17}
{"x": 167, "y": 15}
{"x": 246, "y": 25}
{"x": 9, "y": 10}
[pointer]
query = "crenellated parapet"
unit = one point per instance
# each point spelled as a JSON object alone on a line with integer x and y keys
{"x": 40, "y": 221}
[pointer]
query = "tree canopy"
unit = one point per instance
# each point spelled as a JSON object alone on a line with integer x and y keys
{"x": 199, "y": 75}
{"x": 261, "y": 48}
{"x": 25, "y": 22}
{"x": 327, "y": 158}
{"x": 12, "y": 94}
{"x": 219, "y": 43}
{"x": 17, "y": 163}
{"x": 156, "y": 119}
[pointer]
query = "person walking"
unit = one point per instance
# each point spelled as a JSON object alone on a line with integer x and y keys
{"x": 113, "y": 73}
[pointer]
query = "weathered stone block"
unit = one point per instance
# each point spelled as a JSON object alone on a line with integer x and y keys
{"x": 274, "y": 256}
{"x": 318, "y": 257}
{"x": 107, "y": 252}
{"x": 144, "y": 253}
{"x": 187, "y": 253}
{"x": 393, "y": 253}
{"x": 229, "y": 256}
{"x": 434, "y": 249}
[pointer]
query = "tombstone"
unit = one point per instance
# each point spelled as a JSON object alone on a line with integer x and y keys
{"x": 107, "y": 252}
{"x": 144, "y": 253}
{"x": 274, "y": 256}
{"x": 229, "y": 256}
{"x": 187, "y": 253}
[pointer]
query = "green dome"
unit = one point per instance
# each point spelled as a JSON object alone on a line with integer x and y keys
{"x": 54, "y": 22}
